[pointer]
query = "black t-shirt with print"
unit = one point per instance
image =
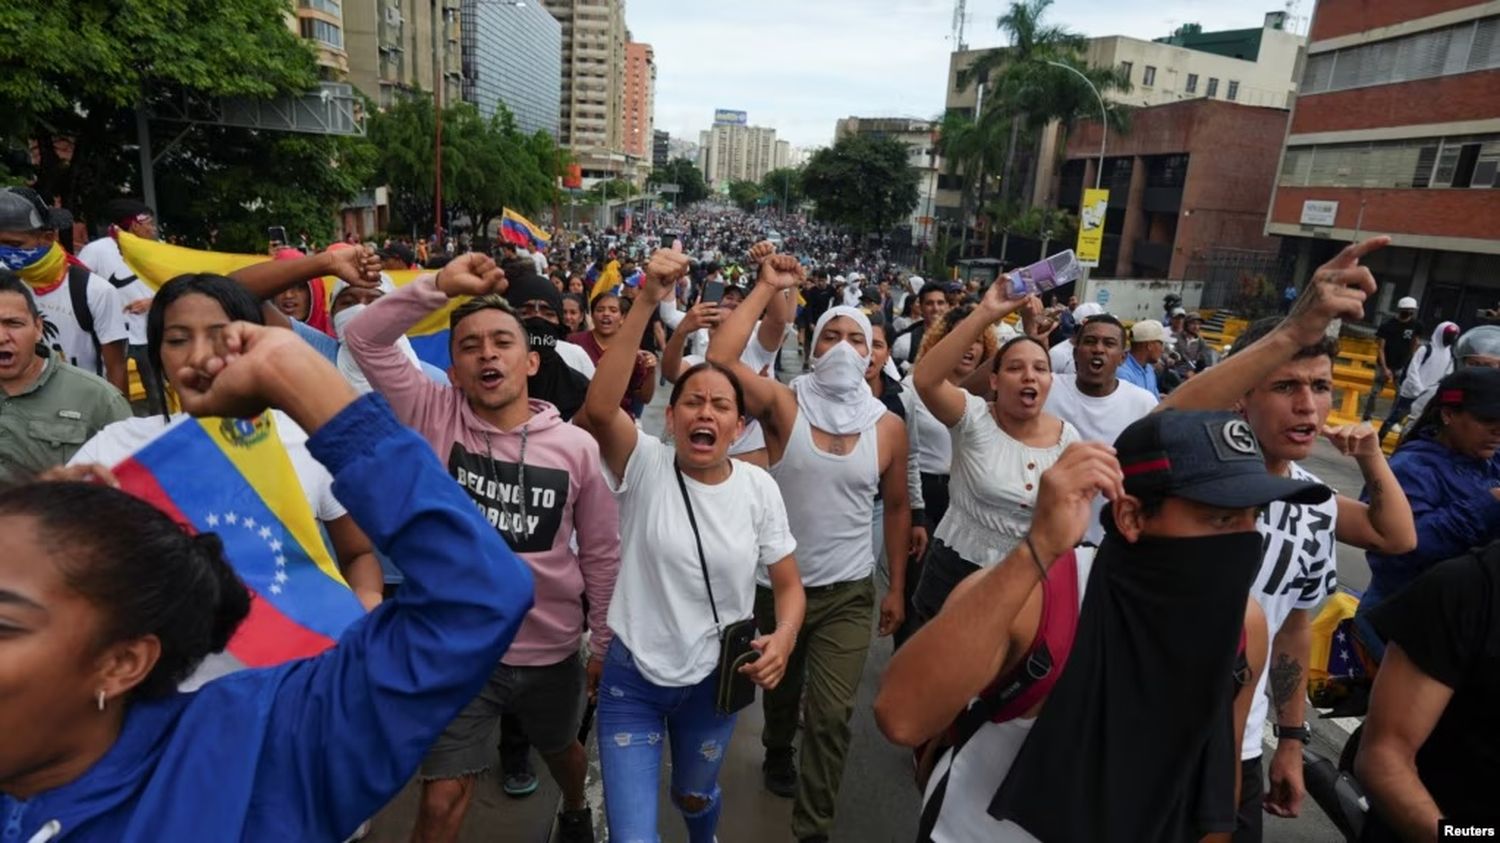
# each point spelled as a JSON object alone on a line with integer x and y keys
{"x": 1396, "y": 336}
{"x": 1448, "y": 623}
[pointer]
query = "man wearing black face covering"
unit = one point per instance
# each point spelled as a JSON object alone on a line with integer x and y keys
{"x": 562, "y": 379}
{"x": 1137, "y": 738}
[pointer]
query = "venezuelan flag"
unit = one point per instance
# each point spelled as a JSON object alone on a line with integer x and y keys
{"x": 233, "y": 477}
{"x": 156, "y": 263}
{"x": 516, "y": 229}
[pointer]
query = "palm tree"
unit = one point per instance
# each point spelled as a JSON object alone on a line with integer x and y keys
{"x": 1028, "y": 91}
{"x": 972, "y": 147}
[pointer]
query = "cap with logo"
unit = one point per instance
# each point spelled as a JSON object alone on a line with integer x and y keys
{"x": 1474, "y": 390}
{"x": 1148, "y": 330}
{"x": 1407, "y": 303}
{"x": 1211, "y": 458}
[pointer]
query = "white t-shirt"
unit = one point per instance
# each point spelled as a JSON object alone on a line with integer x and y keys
{"x": 660, "y": 606}
{"x": 760, "y": 359}
{"x": 62, "y": 333}
{"x": 103, "y": 257}
{"x": 927, "y": 438}
{"x": 576, "y": 357}
{"x": 1098, "y": 420}
{"x": 117, "y": 441}
{"x": 992, "y": 485}
{"x": 1062, "y": 358}
{"x": 1298, "y": 571}
{"x": 981, "y": 766}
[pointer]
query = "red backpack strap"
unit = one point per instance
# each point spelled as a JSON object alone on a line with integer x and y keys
{"x": 1033, "y": 679}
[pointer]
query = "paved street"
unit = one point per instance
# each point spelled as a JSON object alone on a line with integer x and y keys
{"x": 878, "y": 803}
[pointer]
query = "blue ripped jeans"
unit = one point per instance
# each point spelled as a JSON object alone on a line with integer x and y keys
{"x": 635, "y": 716}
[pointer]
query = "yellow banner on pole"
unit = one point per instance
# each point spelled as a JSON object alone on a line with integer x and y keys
{"x": 1091, "y": 226}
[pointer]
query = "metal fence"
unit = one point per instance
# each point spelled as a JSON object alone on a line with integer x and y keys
{"x": 1249, "y": 283}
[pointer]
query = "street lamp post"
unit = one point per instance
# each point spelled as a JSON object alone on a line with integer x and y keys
{"x": 1103, "y": 117}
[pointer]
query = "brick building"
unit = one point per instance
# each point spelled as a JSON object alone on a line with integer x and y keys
{"x": 1189, "y": 178}
{"x": 1396, "y": 130}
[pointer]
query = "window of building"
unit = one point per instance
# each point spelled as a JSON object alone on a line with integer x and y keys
{"x": 1125, "y": 69}
{"x": 1233, "y": 92}
{"x": 328, "y": 6}
{"x": 1213, "y": 88}
{"x": 322, "y": 31}
{"x": 1455, "y": 162}
{"x": 1192, "y": 83}
{"x": 1472, "y": 45}
{"x": 1166, "y": 170}
{"x": 1148, "y": 75}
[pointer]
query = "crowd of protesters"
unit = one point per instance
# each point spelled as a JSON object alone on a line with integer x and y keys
{"x": 1093, "y": 545}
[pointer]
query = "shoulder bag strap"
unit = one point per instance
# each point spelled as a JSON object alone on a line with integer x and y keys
{"x": 698, "y": 538}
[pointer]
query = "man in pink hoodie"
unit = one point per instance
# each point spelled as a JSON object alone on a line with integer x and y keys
{"x": 537, "y": 479}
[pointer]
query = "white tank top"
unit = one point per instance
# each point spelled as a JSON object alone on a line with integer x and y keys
{"x": 830, "y": 499}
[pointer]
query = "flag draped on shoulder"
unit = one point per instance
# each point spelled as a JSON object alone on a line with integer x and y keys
{"x": 233, "y": 477}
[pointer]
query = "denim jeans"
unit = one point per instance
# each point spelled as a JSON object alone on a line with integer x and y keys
{"x": 635, "y": 716}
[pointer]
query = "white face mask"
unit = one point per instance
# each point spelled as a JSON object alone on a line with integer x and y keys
{"x": 342, "y": 319}
{"x": 840, "y": 369}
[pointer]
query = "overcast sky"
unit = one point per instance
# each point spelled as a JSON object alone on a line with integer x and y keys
{"x": 800, "y": 65}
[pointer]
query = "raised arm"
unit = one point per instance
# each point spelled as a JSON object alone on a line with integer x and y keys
{"x": 359, "y": 266}
{"x": 944, "y": 400}
{"x": 765, "y": 398}
{"x": 401, "y": 673}
{"x": 601, "y": 414}
{"x": 701, "y": 315}
{"x": 1385, "y": 524}
{"x": 966, "y": 647}
{"x": 1337, "y": 291}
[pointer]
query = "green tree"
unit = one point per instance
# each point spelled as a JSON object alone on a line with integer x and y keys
{"x": 1028, "y": 92}
{"x": 862, "y": 182}
{"x": 614, "y": 189}
{"x": 783, "y": 187}
{"x": 745, "y": 194}
{"x": 75, "y": 70}
{"x": 686, "y": 175}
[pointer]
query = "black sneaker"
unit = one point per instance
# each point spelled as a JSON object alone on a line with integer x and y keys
{"x": 780, "y": 772}
{"x": 575, "y": 826}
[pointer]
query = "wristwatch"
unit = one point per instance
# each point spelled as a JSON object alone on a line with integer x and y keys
{"x": 1296, "y": 733}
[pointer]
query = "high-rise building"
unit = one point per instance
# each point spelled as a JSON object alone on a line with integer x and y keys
{"x": 640, "y": 99}
{"x": 392, "y": 50}
{"x": 661, "y": 145}
{"x": 1395, "y": 131}
{"x": 512, "y": 54}
{"x": 783, "y": 155}
{"x": 322, "y": 23}
{"x": 733, "y": 151}
{"x": 591, "y": 120}
{"x": 920, "y": 139}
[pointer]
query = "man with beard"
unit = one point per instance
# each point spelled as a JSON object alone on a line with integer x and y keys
{"x": 1037, "y": 682}
{"x": 538, "y": 480}
{"x": 1279, "y": 376}
{"x": 1095, "y": 400}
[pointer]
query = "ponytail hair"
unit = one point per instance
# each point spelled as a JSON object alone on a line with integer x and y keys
{"x": 144, "y": 573}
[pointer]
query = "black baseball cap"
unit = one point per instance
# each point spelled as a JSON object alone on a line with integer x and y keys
{"x": 1211, "y": 458}
{"x": 1475, "y": 390}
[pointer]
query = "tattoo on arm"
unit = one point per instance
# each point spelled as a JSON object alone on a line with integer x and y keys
{"x": 1375, "y": 495}
{"x": 1285, "y": 680}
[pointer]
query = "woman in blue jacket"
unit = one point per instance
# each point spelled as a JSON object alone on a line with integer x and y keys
{"x": 1448, "y": 468}
{"x": 105, "y": 605}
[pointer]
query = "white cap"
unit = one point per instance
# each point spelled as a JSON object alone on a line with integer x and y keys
{"x": 1407, "y": 303}
{"x": 1148, "y": 330}
{"x": 1087, "y": 309}
{"x": 1177, "y": 311}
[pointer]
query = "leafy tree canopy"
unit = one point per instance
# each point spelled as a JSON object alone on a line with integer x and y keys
{"x": 862, "y": 182}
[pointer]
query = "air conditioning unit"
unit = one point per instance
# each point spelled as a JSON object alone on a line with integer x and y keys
{"x": 393, "y": 16}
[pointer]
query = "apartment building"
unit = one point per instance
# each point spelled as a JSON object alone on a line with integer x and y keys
{"x": 512, "y": 55}
{"x": 1396, "y": 131}
{"x": 592, "y": 93}
{"x": 393, "y": 50}
{"x": 640, "y": 99}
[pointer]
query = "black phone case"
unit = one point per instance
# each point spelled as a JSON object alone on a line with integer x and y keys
{"x": 735, "y": 689}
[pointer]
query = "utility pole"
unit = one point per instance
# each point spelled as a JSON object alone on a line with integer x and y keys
{"x": 439, "y": 21}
